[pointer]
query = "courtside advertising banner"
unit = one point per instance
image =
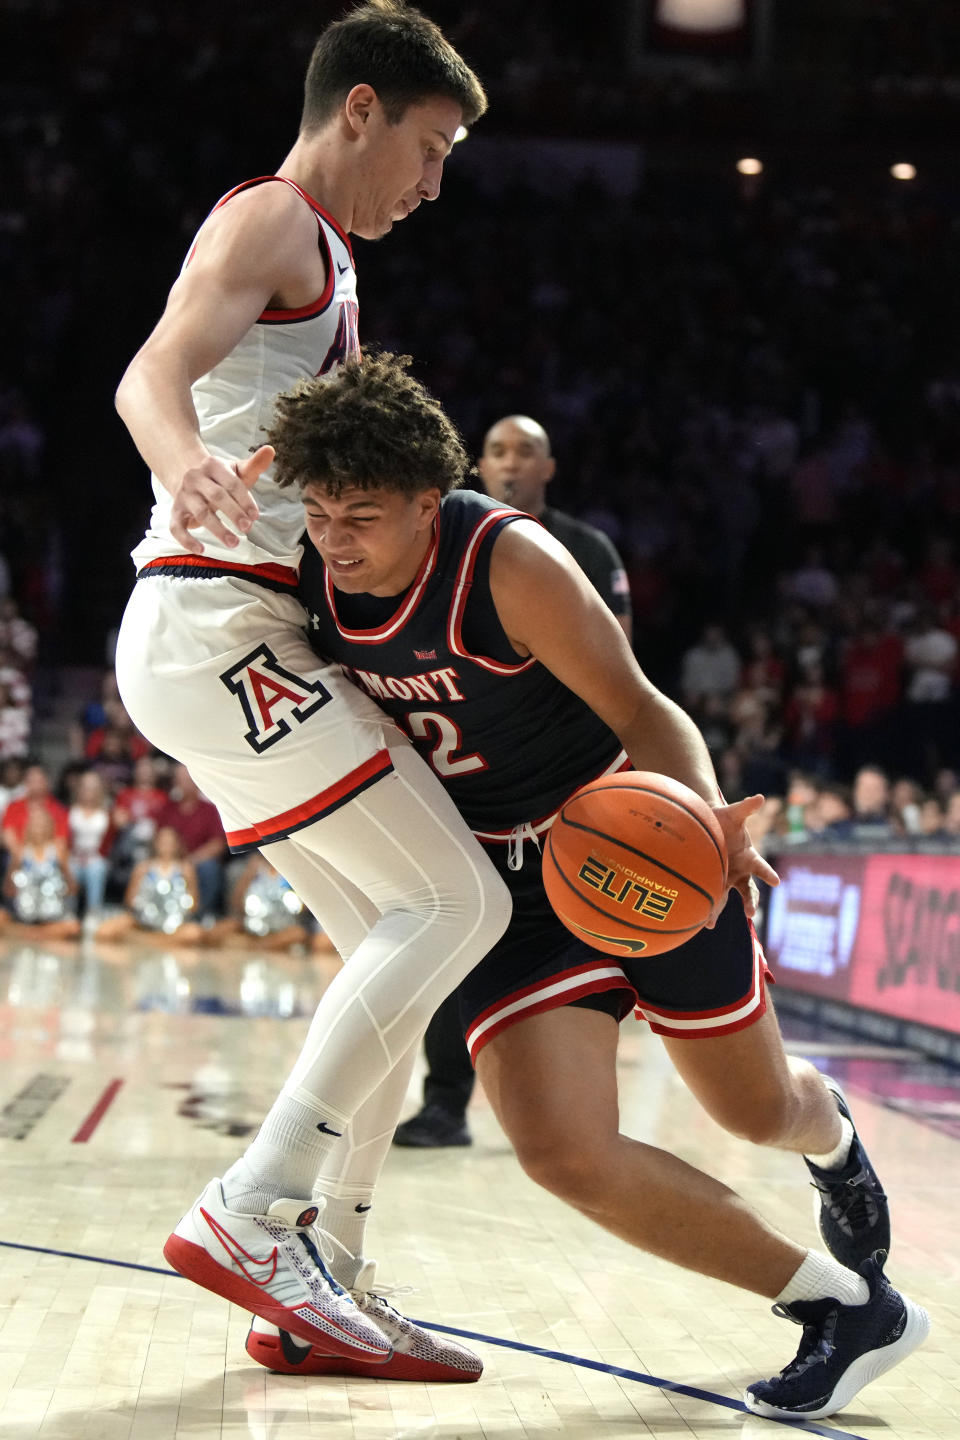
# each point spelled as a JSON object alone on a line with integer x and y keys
{"x": 880, "y": 932}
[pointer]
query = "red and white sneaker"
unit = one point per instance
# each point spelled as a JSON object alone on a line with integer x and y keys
{"x": 418, "y": 1354}
{"x": 272, "y": 1264}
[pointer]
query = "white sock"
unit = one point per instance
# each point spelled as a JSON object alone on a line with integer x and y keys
{"x": 347, "y": 1224}
{"x": 836, "y": 1158}
{"x": 821, "y": 1276}
{"x": 247, "y": 1192}
{"x": 283, "y": 1160}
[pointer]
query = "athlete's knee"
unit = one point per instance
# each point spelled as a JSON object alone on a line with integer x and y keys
{"x": 763, "y": 1119}
{"x": 570, "y": 1167}
{"x": 478, "y": 905}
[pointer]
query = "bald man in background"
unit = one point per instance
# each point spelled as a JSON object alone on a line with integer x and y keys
{"x": 516, "y": 467}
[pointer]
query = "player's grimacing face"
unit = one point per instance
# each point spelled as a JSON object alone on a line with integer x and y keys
{"x": 371, "y": 541}
{"x": 403, "y": 163}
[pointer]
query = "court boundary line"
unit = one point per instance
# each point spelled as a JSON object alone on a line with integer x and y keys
{"x": 674, "y": 1387}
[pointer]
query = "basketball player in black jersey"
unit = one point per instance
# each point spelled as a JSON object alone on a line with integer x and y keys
{"x": 516, "y": 467}
{"x": 475, "y": 629}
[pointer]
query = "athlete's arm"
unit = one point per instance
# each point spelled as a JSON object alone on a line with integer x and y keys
{"x": 550, "y": 610}
{"x": 260, "y": 247}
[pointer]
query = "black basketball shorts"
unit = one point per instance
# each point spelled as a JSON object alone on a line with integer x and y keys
{"x": 713, "y": 984}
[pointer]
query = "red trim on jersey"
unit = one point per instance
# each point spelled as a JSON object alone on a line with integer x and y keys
{"x": 314, "y": 204}
{"x": 461, "y": 593}
{"x": 277, "y": 827}
{"x": 539, "y": 827}
{"x": 703, "y": 1024}
{"x": 534, "y": 999}
{"x": 315, "y": 307}
{"x": 414, "y": 595}
{"x": 279, "y": 574}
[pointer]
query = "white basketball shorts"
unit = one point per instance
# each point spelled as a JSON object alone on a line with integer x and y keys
{"x": 219, "y": 674}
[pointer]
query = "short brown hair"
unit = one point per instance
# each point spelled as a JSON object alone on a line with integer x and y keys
{"x": 398, "y": 51}
{"x": 369, "y": 425}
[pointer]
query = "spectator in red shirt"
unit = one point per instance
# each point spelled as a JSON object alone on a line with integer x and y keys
{"x": 871, "y": 666}
{"x": 135, "y": 814}
{"x": 140, "y": 803}
{"x": 763, "y": 670}
{"x": 939, "y": 575}
{"x": 36, "y": 788}
{"x": 810, "y": 721}
{"x": 197, "y": 823}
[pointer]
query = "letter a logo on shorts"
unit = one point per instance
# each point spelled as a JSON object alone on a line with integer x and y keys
{"x": 272, "y": 697}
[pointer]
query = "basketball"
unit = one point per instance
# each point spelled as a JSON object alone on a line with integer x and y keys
{"x": 634, "y": 863}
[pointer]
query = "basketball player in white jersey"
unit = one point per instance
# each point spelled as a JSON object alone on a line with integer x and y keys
{"x": 214, "y": 668}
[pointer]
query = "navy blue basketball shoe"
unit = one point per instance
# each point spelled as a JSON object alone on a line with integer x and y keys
{"x": 843, "y": 1348}
{"x": 850, "y": 1208}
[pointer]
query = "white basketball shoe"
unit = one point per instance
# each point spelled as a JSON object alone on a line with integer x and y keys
{"x": 272, "y": 1264}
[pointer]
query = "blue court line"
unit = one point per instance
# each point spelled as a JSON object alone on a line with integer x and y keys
{"x": 806, "y": 1427}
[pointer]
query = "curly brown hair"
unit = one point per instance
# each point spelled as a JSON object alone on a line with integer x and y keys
{"x": 369, "y": 425}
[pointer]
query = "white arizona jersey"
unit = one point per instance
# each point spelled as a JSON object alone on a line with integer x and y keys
{"x": 235, "y": 402}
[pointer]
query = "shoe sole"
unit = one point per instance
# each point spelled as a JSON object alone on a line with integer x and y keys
{"x": 194, "y": 1263}
{"x": 859, "y": 1373}
{"x": 267, "y": 1350}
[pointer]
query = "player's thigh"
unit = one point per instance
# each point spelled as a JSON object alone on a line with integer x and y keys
{"x": 552, "y": 1082}
{"x": 223, "y": 678}
{"x": 402, "y": 842}
{"x": 743, "y": 1080}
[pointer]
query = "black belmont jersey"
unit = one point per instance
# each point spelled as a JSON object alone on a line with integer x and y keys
{"x": 508, "y": 740}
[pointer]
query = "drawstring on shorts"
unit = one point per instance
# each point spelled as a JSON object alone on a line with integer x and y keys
{"x": 518, "y": 835}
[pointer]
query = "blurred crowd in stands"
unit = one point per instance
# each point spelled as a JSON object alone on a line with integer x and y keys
{"x": 752, "y": 385}
{"x": 122, "y": 841}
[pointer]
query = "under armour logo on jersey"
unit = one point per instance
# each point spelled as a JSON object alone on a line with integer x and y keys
{"x": 273, "y": 697}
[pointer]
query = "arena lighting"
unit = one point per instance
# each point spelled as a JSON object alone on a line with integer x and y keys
{"x": 903, "y": 171}
{"x": 703, "y": 16}
{"x": 750, "y": 166}
{"x": 462, "y": 133}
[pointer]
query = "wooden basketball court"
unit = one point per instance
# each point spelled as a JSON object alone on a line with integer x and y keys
{"x": 130, "y": 1076}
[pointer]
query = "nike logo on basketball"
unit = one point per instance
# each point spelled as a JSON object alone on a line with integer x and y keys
{"x": 242, "y": 1258}
{"x": 362, "y": 1209}
{"x": 634, "y": 946}
{"x": 324, "y": 1129}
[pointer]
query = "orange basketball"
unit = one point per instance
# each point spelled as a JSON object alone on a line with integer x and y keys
{"x": 634, "y": 863}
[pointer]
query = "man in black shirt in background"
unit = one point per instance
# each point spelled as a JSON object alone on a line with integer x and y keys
{"x": 516, "y": 467}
